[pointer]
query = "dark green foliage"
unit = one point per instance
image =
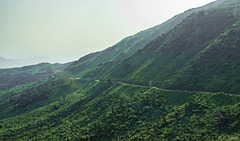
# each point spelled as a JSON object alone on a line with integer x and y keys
{"x": 97, "y": 64}
{"x": 196, "y": 50}
{"x": 198, "y": 54}
{"x": 218, "y": 67}
{"x": 118, "y": 111}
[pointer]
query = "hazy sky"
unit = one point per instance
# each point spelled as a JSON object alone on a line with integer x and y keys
{"x": 65, "y": 30}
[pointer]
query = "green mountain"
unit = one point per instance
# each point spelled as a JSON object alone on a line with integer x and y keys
{"x": 28, "y": 74}
{"x": 96, "y": 64}
{"x": 149, "y": 86}
{"x": 201, "y": 53}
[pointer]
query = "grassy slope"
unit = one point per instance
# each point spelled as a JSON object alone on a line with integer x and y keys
{"x": 164, "y": 58}
{"x": 112, "y": 111}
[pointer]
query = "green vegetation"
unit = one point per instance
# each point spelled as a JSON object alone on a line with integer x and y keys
{"x": 198, "y": 54}
{"x": 97, "y": 64}
{"x": 119, "y": 111}
{"x": 217, "y": 68}
{"x": 169, "y": 82}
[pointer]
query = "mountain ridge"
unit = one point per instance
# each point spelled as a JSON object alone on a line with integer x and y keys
{"x": 102, "y": 97}
{"x": 162, "y": 58}
{"x": 110, "y": 57}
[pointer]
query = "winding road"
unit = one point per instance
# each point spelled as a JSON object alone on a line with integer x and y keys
{"x": 97, "y": 80}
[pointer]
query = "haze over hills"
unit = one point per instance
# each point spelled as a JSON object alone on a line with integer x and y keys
{"x": 2, "y": 59}
{"x": 155, "y": 85}
{"x": 13, "y": 63}
{"x": 28, "y": 74}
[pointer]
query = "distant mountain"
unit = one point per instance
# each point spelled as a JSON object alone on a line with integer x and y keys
{"x": 5, "y": 63}
{"x": 37, "y": 60}
{"x": 13, "y": 63}
{"x": 28, "y": 74}
{"x": 2, "y": 59}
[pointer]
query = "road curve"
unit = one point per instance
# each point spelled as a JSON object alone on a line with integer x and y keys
{"x": 156, "y": 87}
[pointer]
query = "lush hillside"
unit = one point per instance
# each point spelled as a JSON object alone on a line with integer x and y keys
{"x": 28, "y": 74}
{"x": 216, "y": 68}
{"x": 198, "y": 54}
{"x": 118, "y": 111}
{"x": 97, "y": 64}
{"x": 147, "y": 87}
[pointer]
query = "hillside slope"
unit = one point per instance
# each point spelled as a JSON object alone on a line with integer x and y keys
{"x": 166, "y": 61}
{"x": 99, "y": 63}
{"x": 216, "y": 68}
{"x": 118, "y": 111}
{"x": 100, "y": 99}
